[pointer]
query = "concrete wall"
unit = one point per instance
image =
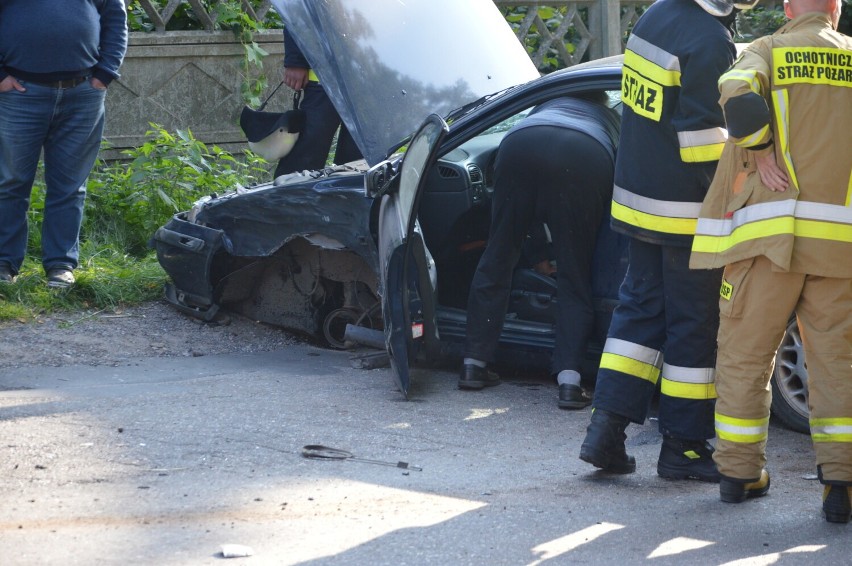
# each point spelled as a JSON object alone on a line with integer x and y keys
{"x": 186, "y": 80}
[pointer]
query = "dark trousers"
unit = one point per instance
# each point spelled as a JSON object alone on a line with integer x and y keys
{"x": 321, "y": 122}
{"x": 563, "y": 177}
{"x": 663, "y": 306}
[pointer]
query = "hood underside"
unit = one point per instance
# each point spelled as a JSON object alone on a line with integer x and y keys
{"x": 386, "y": 65}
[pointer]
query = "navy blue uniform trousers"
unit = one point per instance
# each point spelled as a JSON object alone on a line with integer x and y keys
{"x": 664, "y": 306}
{"x": 321, "y": 122}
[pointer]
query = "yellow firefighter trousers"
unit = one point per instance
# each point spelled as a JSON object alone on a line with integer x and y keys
{"x": 755, "y": 306}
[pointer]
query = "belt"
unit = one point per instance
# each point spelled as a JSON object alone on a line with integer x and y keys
{"x": 67, "y": 83}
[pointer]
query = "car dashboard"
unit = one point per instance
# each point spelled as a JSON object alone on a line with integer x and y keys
{"x": 457, "y": 198}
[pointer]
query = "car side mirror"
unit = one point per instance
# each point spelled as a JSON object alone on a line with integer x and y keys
{"x": 380, "y": 178}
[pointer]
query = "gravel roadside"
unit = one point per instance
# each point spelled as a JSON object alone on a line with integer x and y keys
{"x": 152, "y": 329}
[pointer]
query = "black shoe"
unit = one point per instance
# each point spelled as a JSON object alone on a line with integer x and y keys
{"x": 475, "y": 377}
{"x": 6, "y": 275}
{"x": 737, "y": 491}
{"x": 573, "y": 397}
{"x": 836, "y": 503}
{"x": 604, "y": 443}
{"x": 687, "y": 460}
{"x": 59, "y": 278}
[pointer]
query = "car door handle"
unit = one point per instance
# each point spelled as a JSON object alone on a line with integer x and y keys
{"x": 179, "y": 240}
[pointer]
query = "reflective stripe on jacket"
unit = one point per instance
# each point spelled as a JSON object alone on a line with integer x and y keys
{"x": 796, "y": 96}
{"x": 672, "y": 130}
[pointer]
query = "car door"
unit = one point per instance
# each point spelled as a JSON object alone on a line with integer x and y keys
{"x": 407, "y": 271}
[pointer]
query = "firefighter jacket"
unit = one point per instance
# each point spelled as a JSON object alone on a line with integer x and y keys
{"x": 789, "y": 93}
{"x": 672, "y": 129}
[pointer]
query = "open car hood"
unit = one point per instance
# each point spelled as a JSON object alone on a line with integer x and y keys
{"x": 388, "y": 64}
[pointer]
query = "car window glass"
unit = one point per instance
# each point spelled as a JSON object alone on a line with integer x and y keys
{"x": 507, "y": 124}
{"x": 614, "y": 99}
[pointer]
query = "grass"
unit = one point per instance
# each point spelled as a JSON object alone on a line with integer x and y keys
{"x": 107, "y": 279}
{"x": 126, "y": 202}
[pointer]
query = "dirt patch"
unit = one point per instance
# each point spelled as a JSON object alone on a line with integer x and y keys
{"x": 113, "y": 338}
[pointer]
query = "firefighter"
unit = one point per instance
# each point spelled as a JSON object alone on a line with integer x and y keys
{"x": 779, "y": 217}
{"x": 672, "y": 134}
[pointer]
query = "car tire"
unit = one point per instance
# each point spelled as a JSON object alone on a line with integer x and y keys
{"x": 334, "y": 326}
{"x": 790, "y": 381}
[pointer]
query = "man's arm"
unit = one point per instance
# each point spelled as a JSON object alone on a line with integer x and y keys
{"x": 698, "y": 120}
{"x": 744, "y": 89}
{"x": 113, "y": 45}
{"x": 296, "y": 66}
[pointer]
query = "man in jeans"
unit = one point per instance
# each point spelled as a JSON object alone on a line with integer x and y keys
{"x": 56, "y": 60}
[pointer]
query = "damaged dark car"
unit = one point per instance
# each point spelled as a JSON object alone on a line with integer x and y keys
{"x": 391, "y": 243}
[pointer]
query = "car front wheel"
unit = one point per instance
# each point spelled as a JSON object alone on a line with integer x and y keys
{"x": 790, "y": 381}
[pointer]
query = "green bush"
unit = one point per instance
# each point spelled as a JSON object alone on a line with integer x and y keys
{"x": 845, "y": 25}
{"x": 130, "y": 200}
{"x": 227, "y": 14}
{"x": 552, "y": 17}
{"x": 758, "y": 22}
{"x": 761, "y": 21}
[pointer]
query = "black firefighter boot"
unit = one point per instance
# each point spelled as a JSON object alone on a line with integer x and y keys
{"x": 687, "y": 460}
{"x": 837, "y": 503}
{"x": 732, "y": 490}
{"x": 604, "y": 443}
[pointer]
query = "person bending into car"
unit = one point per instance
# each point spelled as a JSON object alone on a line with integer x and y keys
{"x": 321, "y": 118}
{"x": 559, "y": 160}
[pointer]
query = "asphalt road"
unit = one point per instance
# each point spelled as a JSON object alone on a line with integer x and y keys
{"x": 164, "y": 461}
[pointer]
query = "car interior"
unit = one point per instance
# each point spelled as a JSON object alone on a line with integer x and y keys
{"x": 455, "y": 216}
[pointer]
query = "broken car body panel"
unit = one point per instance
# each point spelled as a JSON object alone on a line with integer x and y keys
{"x": 277, "y": 253}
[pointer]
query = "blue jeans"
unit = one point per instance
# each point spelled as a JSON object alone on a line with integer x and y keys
{"x": 67, "y": 124}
